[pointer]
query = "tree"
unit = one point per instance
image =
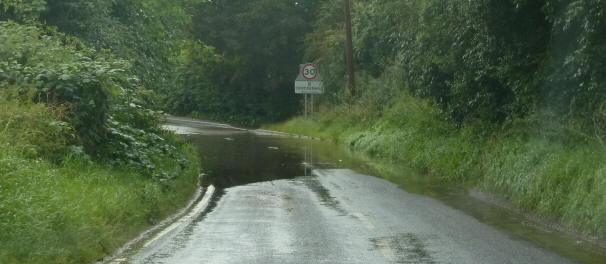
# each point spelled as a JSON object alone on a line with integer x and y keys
{"x": 149, "y": 32}
{"x": 262, "y": 43}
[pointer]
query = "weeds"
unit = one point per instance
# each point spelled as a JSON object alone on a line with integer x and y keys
{"x": 534, "y": 162}
{"x": 59, "y": 206}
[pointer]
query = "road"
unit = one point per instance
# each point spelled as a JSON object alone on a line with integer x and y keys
{"x": 334, "y": 216}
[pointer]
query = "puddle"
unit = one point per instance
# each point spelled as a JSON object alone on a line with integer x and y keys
{"x": 233, "y": 157}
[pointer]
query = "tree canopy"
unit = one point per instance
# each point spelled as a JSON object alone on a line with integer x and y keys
{"x": 260, "y": 44}
{"x": 235, "y": 60}
{"x": 487, "y": 60}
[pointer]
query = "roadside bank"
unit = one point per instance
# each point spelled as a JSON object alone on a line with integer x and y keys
{"x": 60, "y": 205}
{"x": 533, "y": 163}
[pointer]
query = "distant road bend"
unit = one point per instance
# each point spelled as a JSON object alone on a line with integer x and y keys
{"x": 329, "y": 216}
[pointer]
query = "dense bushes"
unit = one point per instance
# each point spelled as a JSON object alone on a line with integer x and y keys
{"x": 487, "y": 60}
{"x": 84, "y": 164}
{"x": 99, "y": 97}
{"x": 199, "y": 91}
{"x": 148, "y": 33}
{"x": 59, "y": 206}
{"x": 251, "y": 49}
{"x": 41, "y": 67}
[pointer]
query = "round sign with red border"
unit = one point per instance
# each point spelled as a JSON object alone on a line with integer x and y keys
{"x": 309, "y": 71}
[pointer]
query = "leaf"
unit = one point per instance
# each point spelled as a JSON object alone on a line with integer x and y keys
{"x": 64, "y": 77}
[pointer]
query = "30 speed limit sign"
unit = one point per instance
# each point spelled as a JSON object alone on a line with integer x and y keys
{"x": 309, "y": 80}
{"x": 309, "y": 72}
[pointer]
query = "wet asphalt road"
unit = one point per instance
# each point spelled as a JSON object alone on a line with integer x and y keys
{"x": 336, "y": 216}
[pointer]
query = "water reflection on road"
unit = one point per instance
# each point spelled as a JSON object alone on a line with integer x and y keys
{"x": 236, "y": 157}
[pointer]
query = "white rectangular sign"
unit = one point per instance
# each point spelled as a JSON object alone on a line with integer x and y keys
{"x": 309, "y": 87}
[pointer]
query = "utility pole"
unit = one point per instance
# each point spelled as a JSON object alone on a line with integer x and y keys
{"x": 351, "y": 84}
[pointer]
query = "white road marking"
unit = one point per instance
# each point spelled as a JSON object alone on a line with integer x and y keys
{"x": 194, "y": 212}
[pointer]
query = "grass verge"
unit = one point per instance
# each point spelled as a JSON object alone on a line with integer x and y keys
{"x": 59, "y": 206}
{"x": 534, "y": 162}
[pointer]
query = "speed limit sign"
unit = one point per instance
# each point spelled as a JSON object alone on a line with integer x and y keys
{"x": 309, "y": 80}
{"x": 309, "y": 72}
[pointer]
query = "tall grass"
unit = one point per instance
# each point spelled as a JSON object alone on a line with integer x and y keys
{"x": 59, "y": 206}
{"x": 535, "y": 161}
{"x": 553, "y": 178}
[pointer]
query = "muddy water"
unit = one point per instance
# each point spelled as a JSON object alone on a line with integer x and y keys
{"x": 233, "y": 157}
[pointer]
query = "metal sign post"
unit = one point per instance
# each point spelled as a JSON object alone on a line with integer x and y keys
{"x": 312, "y": 106}
{"x": 309, "y": 81}
{"x": 305, "y": 106}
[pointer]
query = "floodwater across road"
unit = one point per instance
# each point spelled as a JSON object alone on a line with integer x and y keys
{"x": 281, "y": 199}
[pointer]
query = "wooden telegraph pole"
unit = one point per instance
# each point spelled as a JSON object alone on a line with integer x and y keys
{"x": 351, "y": 84}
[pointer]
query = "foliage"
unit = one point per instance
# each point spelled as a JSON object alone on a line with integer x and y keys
{"x": 147, "y": 32}
{"x": 537, "y": 165}
{"x": 59, "y": 206}
{"x": 41, "y": 66}
{"x": 487, "y": 60}
{"x": 21, "y": 9}
{"x": 507, "y": 95}
{"x": 575, "y": 84}
{"x": 325, "y": 45}
{"x": 37, "y": 132}
{"x": 260, "y": 43}
{"x": 84, "y": 164}
{"x": 103, "y": 102}
{"x": 198, "y": 89}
